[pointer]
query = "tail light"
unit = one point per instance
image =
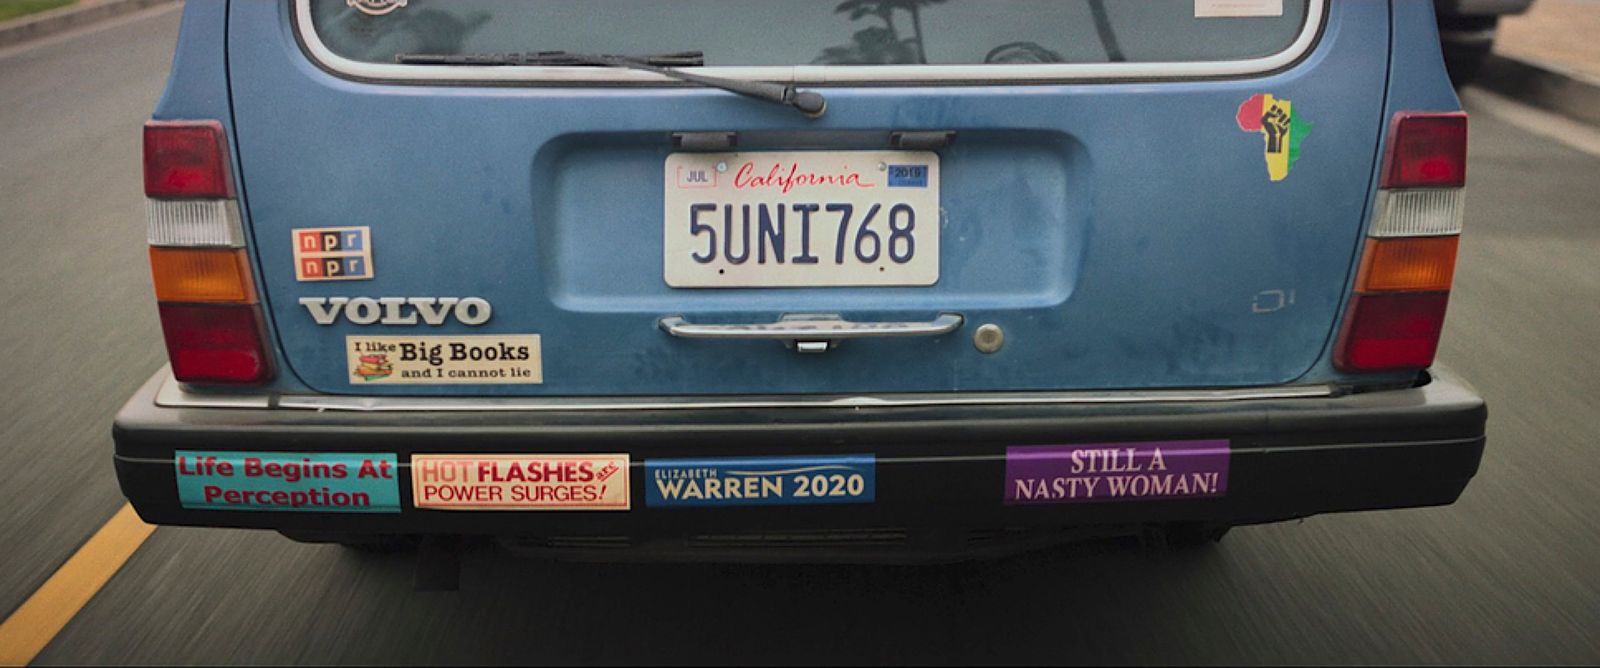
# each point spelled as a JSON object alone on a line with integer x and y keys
{"x": 214, "y": 343}
{"x": 203, "y": 275}
{"x": 186, "y": 159}
{"x": 210, "y": 315}
{"x": 1426, "y": 151}
{"x": 1408, "y": 264}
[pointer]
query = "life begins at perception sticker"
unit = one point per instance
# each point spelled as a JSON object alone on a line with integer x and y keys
{"x": 1156, "y": 470}
{"x": 483, "y": 359}
{"x": 288, "y": 481}
{"x": 520, "y": 482}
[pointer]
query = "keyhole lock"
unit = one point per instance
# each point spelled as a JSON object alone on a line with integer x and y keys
{"x": 989, "y": 338}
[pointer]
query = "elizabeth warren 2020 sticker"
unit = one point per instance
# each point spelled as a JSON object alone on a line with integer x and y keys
{"x": 480, "y": 359}
{"x": 333, "y": 254}
{"x": 520, "y": 482}
{"x": 760, "y": 481}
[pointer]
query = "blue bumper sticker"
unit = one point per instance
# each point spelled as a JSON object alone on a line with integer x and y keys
{"x": 322, "y": 482}
{"x": 908, "y": 176}
{"x": 760, "y": 481}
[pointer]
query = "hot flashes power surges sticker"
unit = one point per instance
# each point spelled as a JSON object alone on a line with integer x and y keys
{"x": 520, "y": 482}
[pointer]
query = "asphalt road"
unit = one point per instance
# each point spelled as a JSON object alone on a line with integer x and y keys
{"x": 1511, "y": 573}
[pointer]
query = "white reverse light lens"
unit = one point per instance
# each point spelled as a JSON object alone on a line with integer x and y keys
{"x": 1418, "y": 213}
{"x": 195, "y": 223}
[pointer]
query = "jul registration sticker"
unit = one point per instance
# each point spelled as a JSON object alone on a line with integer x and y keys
{"x": 520, "y": 482}
{"x": 333, "y": 254}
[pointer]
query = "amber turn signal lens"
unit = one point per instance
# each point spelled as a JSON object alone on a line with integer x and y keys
{"x": 1415, "y": 264}
{"x": 202, "y": 275}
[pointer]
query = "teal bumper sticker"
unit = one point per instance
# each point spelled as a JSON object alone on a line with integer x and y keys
{"x": 321, "y": 482}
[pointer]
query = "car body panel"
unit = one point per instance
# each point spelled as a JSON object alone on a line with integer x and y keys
{"x": 1097, "y": 282}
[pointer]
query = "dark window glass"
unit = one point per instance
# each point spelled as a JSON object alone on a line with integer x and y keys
{"x": 810, "y": 32}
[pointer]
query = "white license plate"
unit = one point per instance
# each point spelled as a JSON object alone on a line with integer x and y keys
{"x": 802, "y": 218}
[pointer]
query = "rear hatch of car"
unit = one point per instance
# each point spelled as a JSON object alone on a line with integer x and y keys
{"x": 1029, "y": 194}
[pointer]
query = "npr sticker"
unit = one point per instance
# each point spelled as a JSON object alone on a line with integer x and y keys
{"x": 1212, "y": 9}
{"x": 760, "y": 481}
{"x": 485, "y": 359}
{"x": 520, "y": 482}
{"x": 1116, "y": 472}
{"x": 1281, "y": 130}
{"x": 321, "y": 482}
{"x": 333, "y": 254}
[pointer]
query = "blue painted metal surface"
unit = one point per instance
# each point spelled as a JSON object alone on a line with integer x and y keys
{"x": 1122, "y": 234}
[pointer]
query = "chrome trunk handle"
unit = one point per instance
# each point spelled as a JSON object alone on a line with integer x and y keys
{"x": 810, "y": 333}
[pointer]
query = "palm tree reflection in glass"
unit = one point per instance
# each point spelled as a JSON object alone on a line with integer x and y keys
{"x": 880, "y": 45}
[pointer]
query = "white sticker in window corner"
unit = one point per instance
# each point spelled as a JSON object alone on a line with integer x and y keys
{"x": 1213, "y": 9}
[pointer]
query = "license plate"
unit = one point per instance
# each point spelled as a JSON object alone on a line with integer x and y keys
{"x": 802, "y": 219}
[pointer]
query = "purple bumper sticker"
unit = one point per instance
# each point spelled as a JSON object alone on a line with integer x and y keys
{"x": 1116, "y": 472}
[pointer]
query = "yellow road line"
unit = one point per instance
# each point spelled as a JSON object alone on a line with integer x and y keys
{"x": 25, "y": 633}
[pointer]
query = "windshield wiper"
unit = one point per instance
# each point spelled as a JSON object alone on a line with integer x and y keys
{"x": 679, "y": 59}
{"x": 806, "y": 102}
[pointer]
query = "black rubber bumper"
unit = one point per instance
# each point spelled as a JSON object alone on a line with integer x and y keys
{"x": 937, "y": 467}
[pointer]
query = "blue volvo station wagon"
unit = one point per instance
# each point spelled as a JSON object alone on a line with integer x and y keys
{"x": 767, "y": 279}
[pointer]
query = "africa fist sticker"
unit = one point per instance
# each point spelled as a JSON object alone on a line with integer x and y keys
{"x": 1280, "y": 130}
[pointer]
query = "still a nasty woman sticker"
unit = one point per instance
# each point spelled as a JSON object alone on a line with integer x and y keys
{"x": 1116, "y": 472}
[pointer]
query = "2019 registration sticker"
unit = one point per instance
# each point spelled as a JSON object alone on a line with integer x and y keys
{"x": 1116, "y": 472}
{"x": 520, "y": 482}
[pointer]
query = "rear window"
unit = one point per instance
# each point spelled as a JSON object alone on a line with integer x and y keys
{"x": 820, "y": 32}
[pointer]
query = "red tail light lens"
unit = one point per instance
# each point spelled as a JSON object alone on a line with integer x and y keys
{"x": 215, "y": 343}
{"x": 1427, "y": 150}
{"x": 1387, "y": 332}
{"x": 186, "y": 159}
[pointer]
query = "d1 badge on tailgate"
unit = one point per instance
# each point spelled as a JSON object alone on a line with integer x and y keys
{"x": 802, "y": 218}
